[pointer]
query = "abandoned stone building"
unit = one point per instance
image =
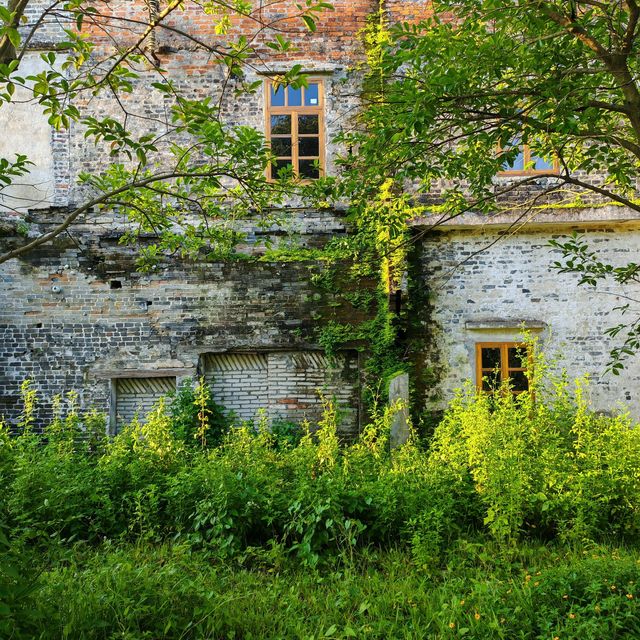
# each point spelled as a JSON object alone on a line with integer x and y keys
{"x": 76, "y": 314}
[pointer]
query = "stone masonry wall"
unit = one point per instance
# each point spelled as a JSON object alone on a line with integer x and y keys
{"x": 73, "y": 319}
{"x": 482, "y": 292}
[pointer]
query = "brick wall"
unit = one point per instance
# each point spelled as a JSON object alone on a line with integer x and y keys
{"x": 287, "y": 385}
{"x": 482, "y": 292}
{"x": 136, "y": 397}
{"x": 65, "y": 326}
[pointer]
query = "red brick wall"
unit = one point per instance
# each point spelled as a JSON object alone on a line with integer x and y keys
{"x": 336, "y": 38}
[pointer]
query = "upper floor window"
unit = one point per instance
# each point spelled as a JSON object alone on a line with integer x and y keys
{"x": 295, "y": 128}
{"x": 497, "y": 362}
{"x": 528, "y": 163}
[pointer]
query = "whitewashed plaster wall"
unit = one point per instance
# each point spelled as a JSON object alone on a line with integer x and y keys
{"x": 25, "y": 130}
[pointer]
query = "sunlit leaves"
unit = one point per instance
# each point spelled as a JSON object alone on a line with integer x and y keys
{"x": 10, "y": 169}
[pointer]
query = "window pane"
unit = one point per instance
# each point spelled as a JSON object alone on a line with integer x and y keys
{"x": 517, "y": 357}
{"x": 277, "y": 96}
{"x": 281, "y": 146}
{"x": 295, "y": 97}
{"x": 281, "y": 165}
{"x": 308, "y": 124}
{"x": 519, "y": 381}
{"x": 490, "y": 357}
{"x": 311, "y": 95}
{"x": 490, "y": 381}
{"x": 309, "y": 147}
{"x": 280, "y": 124}
{"x": 539, "y": 164}
{"x": 517, "y": 164}
{"x": 308, "y": 169}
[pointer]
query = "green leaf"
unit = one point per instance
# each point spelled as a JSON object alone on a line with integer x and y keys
{"x": 310, "y": 22}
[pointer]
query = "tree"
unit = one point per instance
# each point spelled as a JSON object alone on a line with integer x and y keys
{"x": 185, "y": 175}
{"x": 452, "y": 100}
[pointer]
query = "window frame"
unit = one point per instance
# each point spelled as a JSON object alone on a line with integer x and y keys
{"x": 295, "y": 112}
{"x": 505, "y": 369}
{"x": 526, "y": 159}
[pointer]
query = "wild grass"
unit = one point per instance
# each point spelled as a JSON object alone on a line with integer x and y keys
{"x": 520, "y": 520}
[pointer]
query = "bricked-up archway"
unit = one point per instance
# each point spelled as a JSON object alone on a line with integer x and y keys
{"x": 287, "y": 385}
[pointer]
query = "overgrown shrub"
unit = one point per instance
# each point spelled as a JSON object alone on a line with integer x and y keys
{"x": 196, "y": 419}
{"x": 541, "y": 463}
{"x": 537, "y": 465}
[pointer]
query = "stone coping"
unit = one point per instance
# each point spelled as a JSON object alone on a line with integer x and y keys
{"x": 609, "y": 215}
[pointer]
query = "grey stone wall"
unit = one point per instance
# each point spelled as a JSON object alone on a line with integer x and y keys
{"x": 77, "y": 317}
{"x": 483, "y": 283}
{"x": 285, "y": 385}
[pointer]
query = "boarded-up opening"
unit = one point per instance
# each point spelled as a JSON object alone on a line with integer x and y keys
{"x": 286, "y": 384}
{"x": 137, "y": 396}
{"x": 238, "y": 381}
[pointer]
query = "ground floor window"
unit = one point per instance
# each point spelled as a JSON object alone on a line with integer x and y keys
{"x": 497, "y": 362}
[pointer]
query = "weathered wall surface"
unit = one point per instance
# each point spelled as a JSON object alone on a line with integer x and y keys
{"x": 77, "y": 316}
{"x": 194, "y": 66}
{"x": 286, "y": 385}
{"x": 78, "y": 319}
{"x": 482, "y": 292}
{"x": 17, "y": 122}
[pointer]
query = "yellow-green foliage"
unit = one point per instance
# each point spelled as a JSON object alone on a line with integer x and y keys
{"x": 537, "y": 465}
{"x": 542, "y": 463}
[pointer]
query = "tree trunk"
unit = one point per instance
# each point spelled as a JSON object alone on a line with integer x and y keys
{"x": 7, "y": 50}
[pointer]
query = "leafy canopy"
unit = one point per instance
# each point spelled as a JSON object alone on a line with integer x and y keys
{"x": 184, "y": 178}
{"x": 450, "y": 101}
{"x": 450, "y": 97}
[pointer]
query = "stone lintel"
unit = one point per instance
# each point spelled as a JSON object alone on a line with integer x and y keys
{"x": 143, "y": 373}
{"x": 515, "y": 220}
{"x": 501, "y": 324}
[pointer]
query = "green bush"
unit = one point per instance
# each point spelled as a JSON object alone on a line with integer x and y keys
{"x": 541, "y": 463}
{"x": 537, "y": 465}
{"x": 196, "y": 419}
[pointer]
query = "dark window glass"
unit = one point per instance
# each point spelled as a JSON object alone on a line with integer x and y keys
{"x": 491, "y": 381}
{"x": 311, "y": 95}
{"x": 281, "y": 146}
{"x": 491, "y": 357}
{"x": 280, "y": 124}
{"x": 519, "y": 381}
{"x": 309, "y": 169}
{"x": 517, "y": 357}
{"x": 309, "y": 147}
{"x": 281, "y": 165}
{"x": 277, "y": 97}
{"x": 308, "y": 124}
{"x": 295, "y": 97}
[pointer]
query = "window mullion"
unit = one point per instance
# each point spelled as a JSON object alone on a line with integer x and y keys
{"x": 294, "y": 143}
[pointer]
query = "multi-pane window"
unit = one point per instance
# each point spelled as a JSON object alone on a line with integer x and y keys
{"x": 527, "y": 162}
{"x": 295, "y": 123}
{"x": 497, "y": 362}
